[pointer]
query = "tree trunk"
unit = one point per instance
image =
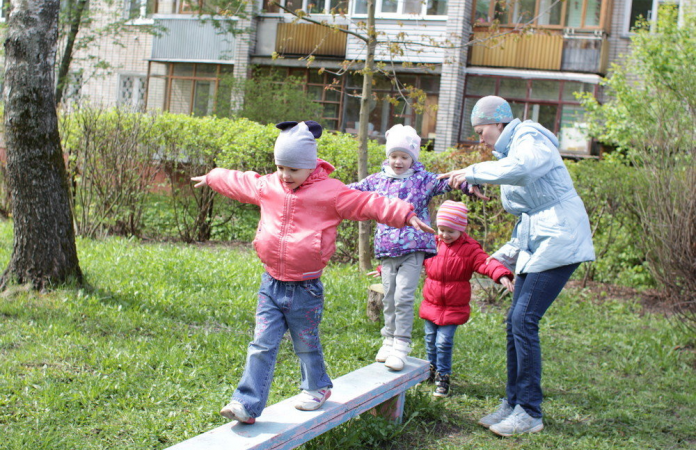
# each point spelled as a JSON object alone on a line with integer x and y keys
{"x": 75, "y": 22}
{"x": 44, "y": 251}
{"x": 364, "y": 233}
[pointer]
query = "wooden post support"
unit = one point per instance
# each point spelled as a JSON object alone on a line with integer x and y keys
{"x": 375, "y": 306}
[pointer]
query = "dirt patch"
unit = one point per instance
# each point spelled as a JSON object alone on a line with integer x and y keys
{"x": 651, "y": 300}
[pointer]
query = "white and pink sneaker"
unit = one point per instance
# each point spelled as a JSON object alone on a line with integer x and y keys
{"x": 312, "y": 400}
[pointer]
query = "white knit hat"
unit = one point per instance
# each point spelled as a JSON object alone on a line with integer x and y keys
{"x": 296, "y": 145}
{"x": 404, "y": 139}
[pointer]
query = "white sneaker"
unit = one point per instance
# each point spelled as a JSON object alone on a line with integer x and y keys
{"x": 519, "y": 422}
{"x": 312, "y": 400}
{"x": 498, "y": 415}
{"x": 385, "y": 350}
{"x": 236, "y": 411}
{"x": 396, "y": 360}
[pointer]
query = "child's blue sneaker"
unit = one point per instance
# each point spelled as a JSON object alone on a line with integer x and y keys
{"x": 519, "y": 422}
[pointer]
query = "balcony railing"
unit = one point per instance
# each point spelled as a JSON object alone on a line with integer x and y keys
{"x": 188, "y": 38}
{"x": 543, "y": 50}
{"x": 305, "y": 39}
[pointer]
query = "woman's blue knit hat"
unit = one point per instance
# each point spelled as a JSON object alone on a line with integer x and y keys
{"x": 491, "y": 109}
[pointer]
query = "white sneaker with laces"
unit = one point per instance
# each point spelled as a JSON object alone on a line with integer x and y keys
{"x": 236, "y": 411}
{"x": 498, "y": 415}
{"x": 312, "y": 400}
{"x": 385, "y": 350}
{"x": 519, "y": 422}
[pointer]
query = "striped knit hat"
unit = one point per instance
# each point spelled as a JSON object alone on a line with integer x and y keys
{"x": 453, "y": 215}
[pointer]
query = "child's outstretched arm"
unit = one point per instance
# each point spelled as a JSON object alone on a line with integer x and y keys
{"x": 200, "y": 181}
{"x": 358, "y": 205}
{"x": 240, "y": 186}
{"x": 418, "y": 224}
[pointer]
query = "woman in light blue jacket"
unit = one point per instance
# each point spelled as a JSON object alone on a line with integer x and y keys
{"x": 550, "y": 240}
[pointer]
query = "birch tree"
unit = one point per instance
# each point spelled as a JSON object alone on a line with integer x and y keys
{"x": 44, "y": 251}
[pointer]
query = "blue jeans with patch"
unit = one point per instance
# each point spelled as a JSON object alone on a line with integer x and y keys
{"x": 439, "y": 341}
{"x": 283, "y": 305}
{"x": 534, "y": 293}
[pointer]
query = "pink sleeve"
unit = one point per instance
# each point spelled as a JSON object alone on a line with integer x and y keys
{"x": 240, "y": 186}
{"x": 358, "y": 205}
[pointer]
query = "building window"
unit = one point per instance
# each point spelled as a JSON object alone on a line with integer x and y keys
{"x": 138, "y": 9}
{"x": 404, "y": 7}
{"x": 310, "y": 6}
{"x": 637, "y": 10}
{"x": 5, "y": 10}
{"x": 552, "y": 103}
{"x": 131, "y": 91}
{"x": 73, "y": 87}
{"x": 187, "y": 88}
{"x": 388, "y": 107}
{"x": 324, "y": 88}
{"x": 579, "y": 14}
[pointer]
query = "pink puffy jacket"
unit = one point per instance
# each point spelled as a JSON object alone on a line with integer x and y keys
{"x": 296, "y": 235}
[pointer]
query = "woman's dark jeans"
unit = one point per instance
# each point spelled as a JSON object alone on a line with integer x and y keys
{"x": 534, "y": 293}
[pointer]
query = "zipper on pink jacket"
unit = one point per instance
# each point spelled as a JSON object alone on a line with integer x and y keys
{"x": 284, "y": 234}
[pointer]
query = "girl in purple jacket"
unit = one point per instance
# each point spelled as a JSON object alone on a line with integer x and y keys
{"x": 402, "y": 251}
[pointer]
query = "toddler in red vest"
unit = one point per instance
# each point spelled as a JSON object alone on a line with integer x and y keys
{"x": 447, "y": 290}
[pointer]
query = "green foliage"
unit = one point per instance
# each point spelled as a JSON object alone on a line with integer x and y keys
{"x": 109, "y": 154}
{"x": 653, "y": 97}
{"x": 270, "y": 97}
{"x": 651, "y": 117}
{"x": 149, "y": 352}
{"x": 606, "y": 188}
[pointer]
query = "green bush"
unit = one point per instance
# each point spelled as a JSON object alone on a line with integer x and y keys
{"x": 185, "y": 146}
{"x": 606, "y": 188}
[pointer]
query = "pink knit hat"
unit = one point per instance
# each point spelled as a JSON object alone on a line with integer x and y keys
{"x": 453, "y": 215}
{"x": 404, "y": 139}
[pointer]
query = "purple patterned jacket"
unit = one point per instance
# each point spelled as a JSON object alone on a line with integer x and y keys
{"x": 418, "y": 190}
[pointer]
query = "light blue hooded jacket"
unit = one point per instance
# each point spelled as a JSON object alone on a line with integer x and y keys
{"x": 553, "y": 229}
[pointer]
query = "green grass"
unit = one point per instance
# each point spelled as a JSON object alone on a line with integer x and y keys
{"x": 146, "y": 355}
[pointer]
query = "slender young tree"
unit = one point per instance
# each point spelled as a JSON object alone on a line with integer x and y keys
{"x": 44, "y": 251}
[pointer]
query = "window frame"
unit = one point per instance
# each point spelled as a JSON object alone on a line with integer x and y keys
{"x": 396, "y": 15}
{"x": 392, "y": 91}
{"x": 169, "y": 78}
{"x": 603, "y": 17}
{"x": 140, "y": 82}
{"x": 529, "y": 100}
{"x": 652, "y": 17}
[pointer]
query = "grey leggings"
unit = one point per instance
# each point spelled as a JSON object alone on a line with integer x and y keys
{"x": 400, "y": 278}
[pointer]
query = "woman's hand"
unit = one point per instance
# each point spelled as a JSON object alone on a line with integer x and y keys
{"x": 418, "y": 224}
{"x": 456, "y": 177}
{"x": 200, "y": 181}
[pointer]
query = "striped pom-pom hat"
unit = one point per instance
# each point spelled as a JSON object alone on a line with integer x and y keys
{"x": 453, "y": 215}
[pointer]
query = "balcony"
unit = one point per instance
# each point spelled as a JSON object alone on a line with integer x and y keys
{"x": 187, "y": 38}
{"x": 305, "y": 39}
{"x": 565, "y": 50}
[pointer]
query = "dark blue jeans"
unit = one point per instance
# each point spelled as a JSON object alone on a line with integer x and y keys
{"x": 283, "y": 305}
{"x": 439, "y": 341}
{"x": 534, "y": 293}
